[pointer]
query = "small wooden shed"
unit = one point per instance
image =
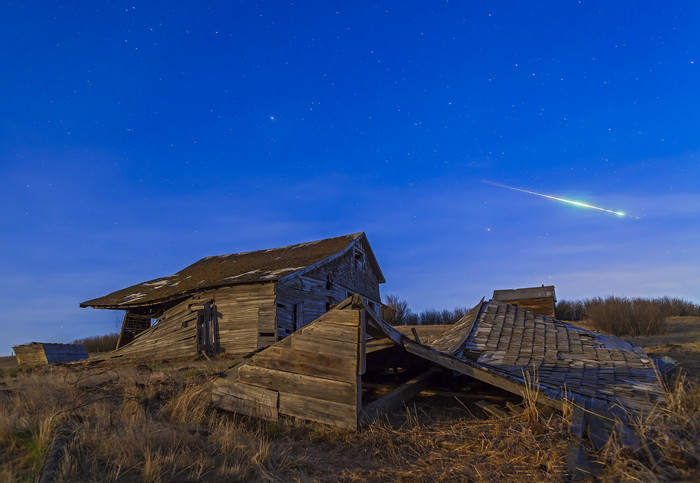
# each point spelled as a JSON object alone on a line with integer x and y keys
{"x": 243, "y": 302}
{"x": 540, "y": 300}
{"x": 38, "y": 353}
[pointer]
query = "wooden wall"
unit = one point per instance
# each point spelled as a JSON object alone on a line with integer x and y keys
{"x": 172, "y": 336}
{"x": 246, "y": 317}
{"x": 243, "y": 313}
{"x": 314, "y": 374}
{"x": 346, "y": 273}
{"x": 30, "y": 354}
{"x": 307, "y": 297}
{"x": 323, "y": 287}
{"x": 543, "y": 306}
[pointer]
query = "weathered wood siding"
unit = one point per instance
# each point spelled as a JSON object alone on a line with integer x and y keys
{"x": 246, "y": 317}
{"x": 543, "y": 306}
{"x": 353, "y": 277}
{"x": 301, "y": 300}
{"x": 314, "y": 374}
{"x": 38, "y": 353}
{"x": 311, "y": 295}
{"x": 172, "y": 336}
{"x": 30, "y": 354}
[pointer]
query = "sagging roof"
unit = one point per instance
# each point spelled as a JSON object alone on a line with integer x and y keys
{"x": 524, "y": 293}
{"x": 268, "y": 265}
{"x": 605, "y": 377}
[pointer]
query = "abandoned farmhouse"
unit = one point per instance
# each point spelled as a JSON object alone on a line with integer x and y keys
{"x": 239, "y": 303}
{"x": 308, "y": 320}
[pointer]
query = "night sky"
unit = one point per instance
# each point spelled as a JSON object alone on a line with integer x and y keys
{"x": 137, "y": 138}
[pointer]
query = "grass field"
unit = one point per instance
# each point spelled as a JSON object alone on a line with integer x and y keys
{"x": 154, "y": 423}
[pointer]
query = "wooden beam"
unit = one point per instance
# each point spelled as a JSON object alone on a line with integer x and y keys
{"x": 451, "y": 362}
{"x": 491, "y": 409}
{"x": 398, "y": 396}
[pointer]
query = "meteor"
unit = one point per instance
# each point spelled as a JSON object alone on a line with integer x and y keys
{"x": 575, "y": 203}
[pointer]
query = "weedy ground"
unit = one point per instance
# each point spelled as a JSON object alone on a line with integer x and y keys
{"x": 155, "y": 423}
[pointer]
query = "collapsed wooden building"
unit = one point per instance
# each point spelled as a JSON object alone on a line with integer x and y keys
{"x": 242, "y": 302}
{"x": 319, "y": 373}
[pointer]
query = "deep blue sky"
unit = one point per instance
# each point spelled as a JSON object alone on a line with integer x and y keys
{"x": 136, "y": 138}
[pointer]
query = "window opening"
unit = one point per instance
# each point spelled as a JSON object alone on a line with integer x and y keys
{"x": 359, "y": 259}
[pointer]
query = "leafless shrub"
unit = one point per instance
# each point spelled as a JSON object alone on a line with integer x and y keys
{"x": 436, "y": 317}
{"x": 626, "y": 316}
{"x": 621, "y": 316}
{"x": 571, "y": 310}
{"x": 675, "y": 307}
{"x": 395, "y": 310}
{"x": 99, "y": 343}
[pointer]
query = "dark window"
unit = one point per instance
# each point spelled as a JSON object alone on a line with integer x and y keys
{"x": 359, "y": 259}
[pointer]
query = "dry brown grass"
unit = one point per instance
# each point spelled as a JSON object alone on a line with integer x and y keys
{"x": 156, "y": 424}
{"x": 670, "y": 442}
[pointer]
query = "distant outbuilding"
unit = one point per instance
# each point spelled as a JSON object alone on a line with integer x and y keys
{"x": 540, "y": 300}
{"x": 38, "y": 353}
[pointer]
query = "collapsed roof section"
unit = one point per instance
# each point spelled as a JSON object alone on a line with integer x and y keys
{"x": 321, "y": 366}
{"x": 235, "y": 269}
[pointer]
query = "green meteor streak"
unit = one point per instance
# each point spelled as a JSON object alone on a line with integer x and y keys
{"x": 575, "y": 203}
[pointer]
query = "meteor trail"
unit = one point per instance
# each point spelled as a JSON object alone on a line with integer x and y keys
{"x": 575, "y": 203}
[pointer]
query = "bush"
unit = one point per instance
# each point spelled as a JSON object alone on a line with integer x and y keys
{"x": 622, "y": 316}
{"x": 436, "y": 317}
{"x": 99, "y": 343}
{"x": 395, "y": 311}
{"x": 574, "y": 310}
{"x": 678, "y": 307}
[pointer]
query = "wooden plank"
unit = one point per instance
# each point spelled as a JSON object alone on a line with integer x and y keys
{"x": 321, "y": 388}
{"x": 451, "y": 362}
{"x": 340, "y": 317}
{"x": 331, "y": 331}
{"x": 399, "y": 396}
{"x": 600, "y": 426}
{"x": 491, "y": 409}
{"x": 579, "y": 420}
{"x": 374, "y": 345}
{"x": 235, "y": 400}
{"x": 308, "y": 363}
{"x": 361, "y": 349}
{"x": 326, "y": 346}
{"x": 310, "y": 408}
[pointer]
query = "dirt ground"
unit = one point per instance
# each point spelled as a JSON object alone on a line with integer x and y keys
{"x": 7, "y": 362}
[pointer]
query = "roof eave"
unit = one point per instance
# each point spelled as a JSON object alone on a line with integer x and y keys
{"x": 180, "y": 295}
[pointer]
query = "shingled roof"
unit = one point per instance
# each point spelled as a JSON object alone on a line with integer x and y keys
{"x": 235, "y": 269}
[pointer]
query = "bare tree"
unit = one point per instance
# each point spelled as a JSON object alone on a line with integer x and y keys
{"x": 395, "y": 311}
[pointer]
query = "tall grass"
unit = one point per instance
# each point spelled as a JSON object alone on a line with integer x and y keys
{"x": 626, "y": 316}
{"x": 670, "y": 442}
{"x": 139, "y": 424}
